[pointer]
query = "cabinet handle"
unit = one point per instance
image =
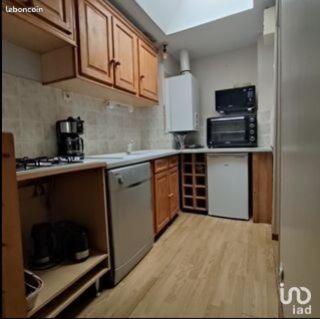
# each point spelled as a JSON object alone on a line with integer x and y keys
{"x": 170, "y": 195}
{"x": 118, "y": 63}
{"x": 142, "y": 77}
{"x": 112, "y": 61}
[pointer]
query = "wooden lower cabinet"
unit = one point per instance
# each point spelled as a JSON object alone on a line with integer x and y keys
{"x": 173, "y": 180}
{"x": 162, "y": 205}
{"x": 166, "y": 194}
{"x": 262, "y": 179}
{"x": 78, "y": 196}
{"x": 14, "y": 303}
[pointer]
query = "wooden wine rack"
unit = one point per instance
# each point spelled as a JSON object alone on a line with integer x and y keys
{"x": 194, "y": 182}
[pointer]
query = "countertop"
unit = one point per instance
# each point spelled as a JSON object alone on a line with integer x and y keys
{"x": 116, "y": 160}
{"x": 56, "y": 170}
{"x": 121, "y": 159}
{"x": 229, "y": 150}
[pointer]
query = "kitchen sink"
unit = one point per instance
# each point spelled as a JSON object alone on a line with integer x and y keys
{"x": 123, "y": 155}
{"x": 140, "y": 152}
{"x": 114, "y": 157}
{"x": 118, "y": 156}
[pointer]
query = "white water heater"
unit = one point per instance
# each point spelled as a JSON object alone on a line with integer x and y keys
{"x": 182, "y": 99}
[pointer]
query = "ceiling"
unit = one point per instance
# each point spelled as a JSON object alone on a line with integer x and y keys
{"x": 225, "y": 34}
{"x": 178, "y": 15}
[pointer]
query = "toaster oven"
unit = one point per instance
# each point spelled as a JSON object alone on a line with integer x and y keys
{"x": 232, "y": 131}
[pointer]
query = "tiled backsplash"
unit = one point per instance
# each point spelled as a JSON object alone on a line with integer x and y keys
{"x": 30, "y": 111}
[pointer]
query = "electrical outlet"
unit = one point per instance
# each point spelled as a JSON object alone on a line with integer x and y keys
{"x": 67, "y": 96}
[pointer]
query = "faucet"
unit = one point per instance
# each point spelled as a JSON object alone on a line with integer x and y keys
{"x": 129, "y": 147}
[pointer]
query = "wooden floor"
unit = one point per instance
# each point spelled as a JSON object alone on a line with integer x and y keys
{"x": 200, "y": 267}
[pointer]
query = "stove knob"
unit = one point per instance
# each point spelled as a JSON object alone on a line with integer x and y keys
{"x": 251, "y": 119}
{"x": 251, "y": 125}
{"x": 252, "y": 138}
{"x": 251, "y": 132}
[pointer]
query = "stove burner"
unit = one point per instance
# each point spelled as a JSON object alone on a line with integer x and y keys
{"x": 26, "y": 163}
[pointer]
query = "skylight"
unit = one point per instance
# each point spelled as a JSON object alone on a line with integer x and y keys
{"x": 177, "y": 15}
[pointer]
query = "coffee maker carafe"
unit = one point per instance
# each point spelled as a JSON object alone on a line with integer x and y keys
{"x": 68, "y": 134}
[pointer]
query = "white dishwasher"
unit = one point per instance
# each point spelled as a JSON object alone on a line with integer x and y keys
{"x": 131, "y": 221}
{"x": 228, "y": 183}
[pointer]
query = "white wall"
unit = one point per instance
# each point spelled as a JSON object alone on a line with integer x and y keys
{"x": 266, "y": 91}
{"x": 226, "y": 70}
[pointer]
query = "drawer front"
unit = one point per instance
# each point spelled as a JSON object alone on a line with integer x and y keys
{"x": 173, "y": 161}
{"x": 161, "y": 165}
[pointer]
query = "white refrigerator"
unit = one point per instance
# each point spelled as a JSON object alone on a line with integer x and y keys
{"x": 228, "y": 183}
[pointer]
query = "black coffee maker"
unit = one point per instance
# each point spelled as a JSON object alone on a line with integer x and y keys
{"x": 69, "y": 141}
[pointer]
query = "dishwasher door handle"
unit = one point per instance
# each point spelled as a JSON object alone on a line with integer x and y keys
{"x": 135, "y": 184}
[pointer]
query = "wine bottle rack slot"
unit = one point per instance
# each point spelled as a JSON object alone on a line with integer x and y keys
{"x": 194, "y": 182}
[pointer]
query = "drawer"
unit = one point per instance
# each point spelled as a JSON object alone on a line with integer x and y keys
{"x": 173, "y": 161}
{"x": 161, "y": 164}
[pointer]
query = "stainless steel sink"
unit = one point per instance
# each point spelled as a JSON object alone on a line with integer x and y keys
{"x": 123, "y": 156}
{"x": 114, "y": 157}
{"x": 117, "y": 156}
{"x": 139, "y": 152}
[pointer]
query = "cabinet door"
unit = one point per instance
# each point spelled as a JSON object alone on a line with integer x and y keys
{"x": 126, "y": 56}
{"x": 57, "y": 12}
{"x": 262, "y": 188}
{"x": 95, "y": 33}
{"x": 162, "y": 207}
{"x": 173, "y": 177}
{"x": 148, "y": 71}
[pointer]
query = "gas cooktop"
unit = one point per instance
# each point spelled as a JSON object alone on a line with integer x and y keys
{"x": 26, "y": 163}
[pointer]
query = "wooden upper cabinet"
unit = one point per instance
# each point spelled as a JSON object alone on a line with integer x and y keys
{"x": 50, "y": 28}
{"x": 173, "y": 177}
{"x": 112, "y": 60}
{"x": 95, "y": 34}
{"x": 162, "y": 205}
{"x": 148, "y": 71}
{"x": 57, "y": 12}
{"x": 125, "y": 56}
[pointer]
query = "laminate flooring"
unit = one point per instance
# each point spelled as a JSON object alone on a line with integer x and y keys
{"x": 201, "y": 266}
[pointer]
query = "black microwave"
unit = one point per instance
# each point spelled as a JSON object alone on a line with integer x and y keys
{"x": 238, "y": 100}
{"x": 232, "y": 131}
